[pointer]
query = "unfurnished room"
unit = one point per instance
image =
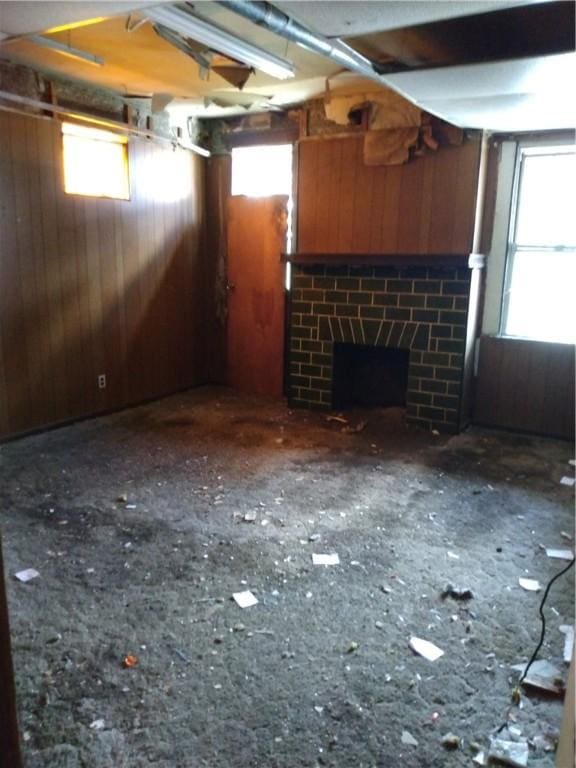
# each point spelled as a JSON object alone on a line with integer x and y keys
{"x": 287, "y": 368}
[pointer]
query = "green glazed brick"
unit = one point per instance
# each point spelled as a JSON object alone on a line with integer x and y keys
{"x": 427, "y": 286}
{"x": 425, "y": 315}
{"x": 440, "y": 302}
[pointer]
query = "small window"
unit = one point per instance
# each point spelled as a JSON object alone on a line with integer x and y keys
{"x": 262, "y": 171}
{"x": 95, "y": 162}
{"x": 541, "y": 263}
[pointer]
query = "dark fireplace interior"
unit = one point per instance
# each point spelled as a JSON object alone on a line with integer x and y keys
{"x": 369, "y": 376}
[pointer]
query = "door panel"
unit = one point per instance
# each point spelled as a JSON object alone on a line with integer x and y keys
{"x": 256, "y": 238}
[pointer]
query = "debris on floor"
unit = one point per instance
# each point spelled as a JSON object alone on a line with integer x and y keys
{"x": 249, "y": 517}
{"x": 425, "y": 648}
{"x": 358, "y": 428}
{"x": 458, "y": 593}
{"x": 408, "y": 739}
{"x": 339, "y": 419}
{"x": 182, "y": 656}
{"x": 530, "y": 585}
{"x": 352, "y": 647}
{"x": 543, "y": 675}
{"x": 451, "y": 741}
{"x": 97, "y": 725}
{"x": 513, "y": 753}
{"x": 560, "y": 554}
{"x": 570, "y": 481}
{"x": 568, "y": 631}
{"x": 330, "y": 559}
{"x": 245, "y": 599}
{"x": 545, "y": 742}
{"x": 27, "y": 575}
{"x": 129, "y": 661}
{"x": 385, "y": 512}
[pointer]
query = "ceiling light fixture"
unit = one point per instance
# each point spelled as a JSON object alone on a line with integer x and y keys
{"x": 220, "y": 40}
{"x": 66, "y": 50}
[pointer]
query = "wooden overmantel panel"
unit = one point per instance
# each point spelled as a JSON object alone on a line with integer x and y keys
{"x": 423, "y": 207}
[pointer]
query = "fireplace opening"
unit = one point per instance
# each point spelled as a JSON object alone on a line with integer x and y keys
{"x": 369, "y": 376}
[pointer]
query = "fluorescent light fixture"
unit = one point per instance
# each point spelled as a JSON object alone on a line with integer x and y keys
{"x": 222, "y": 41}
{"x": 66, "y": 50}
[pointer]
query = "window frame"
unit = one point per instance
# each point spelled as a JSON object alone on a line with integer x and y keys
{"x": 120, "y": 139}
{"x": 257, "y": 147}
{"x": 524, "y": 149}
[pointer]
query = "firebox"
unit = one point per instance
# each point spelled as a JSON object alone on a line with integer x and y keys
{"x": 369, "y": 376}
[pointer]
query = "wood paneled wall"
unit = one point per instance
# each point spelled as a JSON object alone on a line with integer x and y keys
{"x": 526, "y": 385}
{"x": 91, "y": 286}
{"x": 425, "y": 206}
{"x": 9, "y": 736}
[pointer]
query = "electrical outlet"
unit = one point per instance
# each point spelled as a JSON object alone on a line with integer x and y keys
{"x": 102, "y": 381}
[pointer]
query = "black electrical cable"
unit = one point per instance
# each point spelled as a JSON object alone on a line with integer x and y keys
{"x": 516, "y": 692}
{"x": 543, "y": 619}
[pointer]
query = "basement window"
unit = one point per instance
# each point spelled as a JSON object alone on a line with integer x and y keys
{"x": 95, "y": 162}
{"x": 262, "y": 171}
{"x": 541, "y": 262}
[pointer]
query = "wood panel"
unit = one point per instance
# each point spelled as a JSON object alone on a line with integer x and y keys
{"x": 91, "y": 286}
{"x": 425, "y": 206}
{"x": 526, "y": 385}
{"x": 256, "y": 238}
{"x": 9, "y": 738}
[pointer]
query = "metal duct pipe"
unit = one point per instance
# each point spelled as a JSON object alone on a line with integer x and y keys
{"x": 266, "y": 15}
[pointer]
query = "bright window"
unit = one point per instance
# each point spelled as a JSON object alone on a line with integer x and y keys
{"x": 262, "y": 171}
{"x": 541, "y": 266}
{"x": 95, "y": 162}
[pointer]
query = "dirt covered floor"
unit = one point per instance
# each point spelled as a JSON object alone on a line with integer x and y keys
{"x": 136, "y": 525}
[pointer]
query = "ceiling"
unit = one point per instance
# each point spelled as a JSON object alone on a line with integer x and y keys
{"x": 494, "y": 64}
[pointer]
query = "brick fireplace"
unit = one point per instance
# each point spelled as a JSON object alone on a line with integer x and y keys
{"x": 419, "y": 307}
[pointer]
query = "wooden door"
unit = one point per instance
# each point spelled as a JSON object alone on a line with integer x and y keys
{"x": 256, "y": 239}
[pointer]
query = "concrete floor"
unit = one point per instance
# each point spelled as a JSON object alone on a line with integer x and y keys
{"x": 136, "y": 524}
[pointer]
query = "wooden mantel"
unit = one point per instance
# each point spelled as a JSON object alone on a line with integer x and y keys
{"x": 473, "y": 261}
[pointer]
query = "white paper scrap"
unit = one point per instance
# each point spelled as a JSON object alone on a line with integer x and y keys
{"x": 571, "y": 481}
{"x": 530, "y": 585}
{"x": 560, "y": 554}
{"x": 408, "y": 739}
{"x": 425, "y": 648}
{"x": 572, "y": 462}
{"x": 332, "y": 559}
{"x": 509, "y": 752}
{"x": 568, "y": 631}
{"x": 97, "y": 725}
{"x": 245, "y": 599}
{"x": 27, "y": 575}
{"x": 540, "y": 667}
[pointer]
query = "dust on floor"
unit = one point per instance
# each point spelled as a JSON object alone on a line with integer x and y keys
{"x": 136, "y": 524}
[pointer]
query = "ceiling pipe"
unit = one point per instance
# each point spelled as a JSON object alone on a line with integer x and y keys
{"x": 265, "y": 15}
{"x": 102, "y": 122}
